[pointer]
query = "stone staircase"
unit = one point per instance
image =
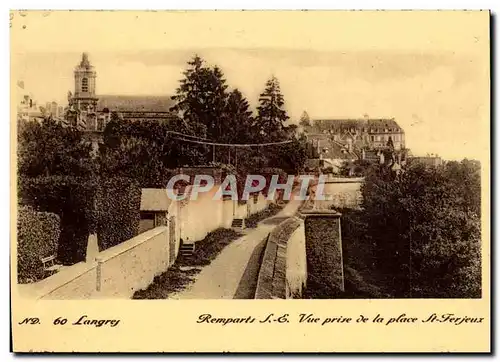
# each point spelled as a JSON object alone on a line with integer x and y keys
{"x": 187, "y": 249}
{"x": 238, "y": 224}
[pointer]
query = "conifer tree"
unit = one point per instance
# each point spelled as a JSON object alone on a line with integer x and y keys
{"x": 271, "y": 116}
{"x": 304, "y": 120}
{"x": 201, "y": 98}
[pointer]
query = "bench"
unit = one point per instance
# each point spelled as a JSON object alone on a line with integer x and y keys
{"x": 49, "y": 265}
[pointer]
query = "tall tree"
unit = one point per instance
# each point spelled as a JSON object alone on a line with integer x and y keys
{"x": 200, "y": 99}
{"x": 305, "y": 121}
{"x": 272, "y": 116}
{"x": 239, "y": 118}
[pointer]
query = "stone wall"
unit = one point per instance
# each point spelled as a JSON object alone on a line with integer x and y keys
{"x": 340, "y": 193}
{"x": 116, "y": 272}
{"x": 282, "y": 273}
{"x": 324, "y": 252}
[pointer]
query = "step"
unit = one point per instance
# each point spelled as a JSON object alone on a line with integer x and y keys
{"x": 187, "y": 249}
{"x": 238, "y": 223}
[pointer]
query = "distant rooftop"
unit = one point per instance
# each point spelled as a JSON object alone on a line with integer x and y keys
{"x": 132, "y": 103}
{"x": 370, "y": 124}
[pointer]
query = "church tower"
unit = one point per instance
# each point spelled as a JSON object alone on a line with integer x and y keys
{"x": 83, "y": 103}
{"x": 85, "y": 77}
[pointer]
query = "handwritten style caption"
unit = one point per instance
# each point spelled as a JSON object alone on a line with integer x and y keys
{"x": 310, "y": 318}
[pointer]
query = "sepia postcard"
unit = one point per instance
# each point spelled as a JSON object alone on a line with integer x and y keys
{"x": 250, "y": 181}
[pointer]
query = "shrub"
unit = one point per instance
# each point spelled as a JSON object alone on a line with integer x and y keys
{"x": 118, "y": 211}
{"x": 37, "y": 236}
{"x": 72, "y": 199}
{"x": 108, "y": 206}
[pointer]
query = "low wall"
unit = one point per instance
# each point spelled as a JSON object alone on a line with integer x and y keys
{"x": 340, "y": 193}
{"x": 117, "y": 272}
{"x": 283, "y": 272}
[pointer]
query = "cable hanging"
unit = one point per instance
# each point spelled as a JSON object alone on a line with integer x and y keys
{"x": 234, "y": 144}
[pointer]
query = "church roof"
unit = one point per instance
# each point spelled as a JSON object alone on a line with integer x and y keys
{"x": 130, "y": 103}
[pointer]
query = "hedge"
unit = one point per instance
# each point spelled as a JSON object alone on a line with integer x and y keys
{"x": 108, "y": 206}
{"x": 118, "y": 211}
{"x": 72, "y": 199}
{"x": 37, "y": 238}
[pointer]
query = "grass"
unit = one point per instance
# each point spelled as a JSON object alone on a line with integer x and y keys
{"x": 253, "y": 220}
{"x": 185, "y": 268}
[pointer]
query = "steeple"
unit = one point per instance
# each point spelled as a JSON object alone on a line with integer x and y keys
{"x": 85, "y": 61}
{"x": 85, "y": 77}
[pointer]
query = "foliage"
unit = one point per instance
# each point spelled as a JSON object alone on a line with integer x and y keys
{"x": 305, "y": 120}
{"x": 69, "y": 197}
{"x": 118, "y": 204}
{"x": 253, "y": 220}
{"x": 271, "y": 118}
{"x": 426, "y": 228}
{"x": 48, "y": 148}
{"x": 200, "y": 102}
{"x": 139, "y": 150}
{"x": 37, "y": 237}
{"x": 291, "y": 157}
{"x": 109, "y": 207}
{"x": 357, "y": 168}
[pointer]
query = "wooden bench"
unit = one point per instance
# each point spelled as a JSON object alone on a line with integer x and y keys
{"x": 49, "y": 265}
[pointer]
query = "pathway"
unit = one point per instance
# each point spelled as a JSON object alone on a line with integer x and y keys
{"x": 233, "y": 273}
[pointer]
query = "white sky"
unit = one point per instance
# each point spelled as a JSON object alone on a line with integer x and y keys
{"x": 429, "y": 70}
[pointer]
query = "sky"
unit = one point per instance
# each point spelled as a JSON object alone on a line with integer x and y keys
{"x": 428, "y": 70}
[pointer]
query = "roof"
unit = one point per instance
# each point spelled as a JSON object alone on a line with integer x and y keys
{"x": 370, "y": 124}
{"x": 336, "y": 151}
{"x": 131, "y": 103}
{"x": 155, "y": 200}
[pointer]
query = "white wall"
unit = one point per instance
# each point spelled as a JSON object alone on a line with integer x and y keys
{"x": 296, "y": 262}
{"x": 203, "y": 215}
{"x": 118, "y": 272}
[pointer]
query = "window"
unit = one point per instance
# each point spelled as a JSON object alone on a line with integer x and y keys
{"x": 85, "y": 85}
{"x": 372, "y": 138}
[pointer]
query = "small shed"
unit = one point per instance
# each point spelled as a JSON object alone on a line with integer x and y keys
{"x": 154, "y": 208}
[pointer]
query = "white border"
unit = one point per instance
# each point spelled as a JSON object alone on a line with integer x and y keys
{"x": 176, "y": 4}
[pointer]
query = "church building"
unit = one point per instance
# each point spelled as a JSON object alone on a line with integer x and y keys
{"x": 91, "y": 112}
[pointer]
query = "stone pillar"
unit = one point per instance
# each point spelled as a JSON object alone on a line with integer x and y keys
{"x": 325, "y": 268}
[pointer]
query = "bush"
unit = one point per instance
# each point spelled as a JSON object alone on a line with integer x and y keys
{"x": 37, "y": 237}
{"x": 118, "y": 211}
{"x": 72, "y": 199}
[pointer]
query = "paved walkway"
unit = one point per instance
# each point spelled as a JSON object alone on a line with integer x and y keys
{"x": 233, "y": 273}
